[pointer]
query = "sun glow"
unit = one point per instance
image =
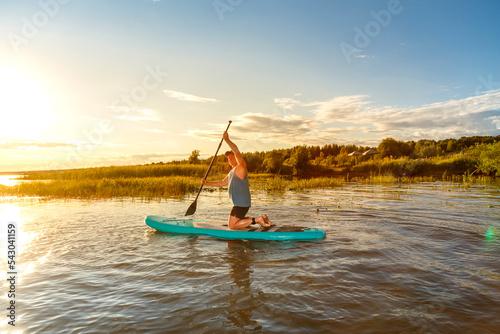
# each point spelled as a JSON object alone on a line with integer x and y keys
{"x": 25, "y": 109}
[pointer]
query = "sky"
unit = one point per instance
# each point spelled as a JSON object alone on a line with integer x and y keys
{"x": 98, "y": 82}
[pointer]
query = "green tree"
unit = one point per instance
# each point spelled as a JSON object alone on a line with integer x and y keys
{"x": 389, "y": 147}
{"x": 487, "y": 157}
{"x": 273, "y": 161}
{"x": 253, "y": 161}
{"x": 328, "y": 162}
{"x": 426, "y": 148}
{"x": 319, "y": 159}
{"x": 451, "y": 145}
{"x": 490, "y": 158}
{"x": 299, "y": 159}
{"x": 343, "y": 156}
{"x": 194, "y": 157}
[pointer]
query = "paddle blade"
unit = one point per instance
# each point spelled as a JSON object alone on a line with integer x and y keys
{"x": 191, "y": 209}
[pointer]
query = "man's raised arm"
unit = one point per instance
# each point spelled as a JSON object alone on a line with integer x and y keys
{"x": 236, "y": 151}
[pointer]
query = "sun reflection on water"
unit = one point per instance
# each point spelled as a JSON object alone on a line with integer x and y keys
{"x": 9, "y": 180}
{"x": 10, "y": 214}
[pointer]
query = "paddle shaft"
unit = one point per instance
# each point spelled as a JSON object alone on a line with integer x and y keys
{"x": 212, "y": 162}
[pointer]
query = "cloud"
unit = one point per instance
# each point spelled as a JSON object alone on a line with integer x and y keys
{"x": 495, "y": 120}
{"x": 188, "y": 97}
{"x": 136, "y": 115}
{"x": 205, "y": 134}
{"x": 343, "y": 108}
{"x": 257, "y": 126}
{"x": 476, "y": 115}
{"x": 156, "y": 131}
{"x": 139, "y": 158}
{"x": 9, "y": 144}
{"x": 469, "y": 116}
{"x": 215, "y": 131}
{"x": 287, "y": 103}
{"x": 356, "y": 120}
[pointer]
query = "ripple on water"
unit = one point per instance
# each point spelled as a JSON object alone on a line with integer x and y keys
{"x": 394, "y": 260}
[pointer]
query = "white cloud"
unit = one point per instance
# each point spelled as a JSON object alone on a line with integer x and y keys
{"x": 258, "y": 125}
{"x": 142, "y": 158}
{"x": 354, "y": 119}
{"x": 188, "y": 97}
{"x": 495, "y": 120}
{"x": 156, "y": 131}
{"x": 286, "y": 102}
{"x": 15, "y": 144}
{"x": 469, "y": 116}
{"x": 343, "y": 108}
{"x": 138, "y": 115}
{"x": 290, "y": 129}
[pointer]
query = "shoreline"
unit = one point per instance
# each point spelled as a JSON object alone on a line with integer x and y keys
{"x": 165, "y": 187}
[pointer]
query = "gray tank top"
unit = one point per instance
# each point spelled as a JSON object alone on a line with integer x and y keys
{"x": 239, "y": 190}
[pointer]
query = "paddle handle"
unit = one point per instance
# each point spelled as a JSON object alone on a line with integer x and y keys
{"x": 213, "y": 159}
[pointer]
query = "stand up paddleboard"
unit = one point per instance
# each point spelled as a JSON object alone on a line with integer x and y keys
{"x": 221, "y": 230}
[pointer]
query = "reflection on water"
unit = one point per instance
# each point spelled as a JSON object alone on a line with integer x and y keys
{"x": 11, "y": 214}
{"x": 397, "y": 259}
{"x": 9, "y": 180}
{"x": 241, "y": 299}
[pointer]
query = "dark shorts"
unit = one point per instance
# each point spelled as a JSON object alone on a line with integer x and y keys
{"x": 239, "y": 211}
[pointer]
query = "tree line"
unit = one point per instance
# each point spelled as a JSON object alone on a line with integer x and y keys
{"x": 426, "y": 148}
{"x": 303, "y": 159}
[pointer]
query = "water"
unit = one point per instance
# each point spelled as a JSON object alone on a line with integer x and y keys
{"x": 421, "y": 258}
{"x": 9, "y": 180}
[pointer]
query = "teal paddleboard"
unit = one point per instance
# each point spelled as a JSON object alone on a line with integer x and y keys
{"x": 220, "y": 230}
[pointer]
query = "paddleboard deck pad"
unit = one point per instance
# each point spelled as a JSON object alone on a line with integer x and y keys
{"x": 221, "y": 230}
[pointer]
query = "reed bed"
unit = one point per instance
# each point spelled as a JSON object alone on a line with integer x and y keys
{"x": 109, "y": 182}
{"x": 455, "y": 165}
{"x": 148, "y": 188}
{"x": 115, "y": 172}
{"x": 277, "y": 183}
{"x": 319, "y": 182}
{"x": 280, "y": 184}
{"x": 383, "y": 179}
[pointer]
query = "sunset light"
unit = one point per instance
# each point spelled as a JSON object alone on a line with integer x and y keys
{"x": 250, "y": 166}
{"x": 26, "y": 107}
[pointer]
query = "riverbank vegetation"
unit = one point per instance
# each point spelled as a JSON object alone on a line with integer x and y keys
{"x": 468, "y": 160}
{"x": 147, "y": 188}
{"x": 467, "y": 155}
{"x": 122, "y": 172}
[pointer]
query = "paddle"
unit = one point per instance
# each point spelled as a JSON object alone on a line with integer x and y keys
{"x": 192, "y": 208}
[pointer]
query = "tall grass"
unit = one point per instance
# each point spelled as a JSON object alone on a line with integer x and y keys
{"x": 277, "y": 183}
{"x": 457, "y": 165}
{"x": 175, "y": 180}
{"x": 148, "y": 188}
{"x": 319, "y": 182}
{"x": 467, "y": 178}
{"x": 383, "y": 179}
{"x": 113, "y": 172}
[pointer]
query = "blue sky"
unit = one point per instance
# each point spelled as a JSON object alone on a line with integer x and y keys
{"x": 89, "y": 83}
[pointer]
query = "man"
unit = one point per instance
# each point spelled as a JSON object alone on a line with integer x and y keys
{"x": 239, "y": 190}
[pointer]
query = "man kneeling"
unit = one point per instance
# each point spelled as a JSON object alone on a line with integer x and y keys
{"x": 239, "y": 190}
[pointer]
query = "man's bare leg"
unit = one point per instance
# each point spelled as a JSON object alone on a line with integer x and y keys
{"x": 235, "y": 223}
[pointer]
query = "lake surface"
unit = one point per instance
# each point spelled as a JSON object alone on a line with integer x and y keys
{"x": 421, "y": 258}
{"x": 9, "y": 180}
